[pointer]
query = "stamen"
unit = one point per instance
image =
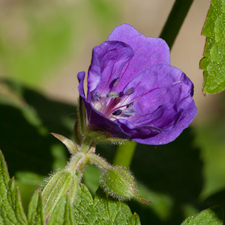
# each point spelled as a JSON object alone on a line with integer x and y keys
{"x": 116, "y": 82}
{"x": 117, "y": 100}
{"x": 117, "y": 112}
{"x": 97, "y": 96}
{"x": 112, "y": 95}
{"x": 129, "y": 112}
{"x": 130, "y": 105}
{"x": 111, "y": 105}
{"x": 129, "y": 91}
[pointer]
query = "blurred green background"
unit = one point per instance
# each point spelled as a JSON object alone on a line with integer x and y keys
{"x": 43, "y": 45}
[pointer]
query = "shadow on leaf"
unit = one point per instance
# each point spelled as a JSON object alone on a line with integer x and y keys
{"x": 25, "y": 129}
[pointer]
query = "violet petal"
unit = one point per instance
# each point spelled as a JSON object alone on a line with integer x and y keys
{"x": 148, "y": 51}
{"x": 108, "y": 61}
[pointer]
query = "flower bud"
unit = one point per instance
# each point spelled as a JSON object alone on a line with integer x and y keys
{"x": 119, "y": 183}
{"x": 58, "y": 185}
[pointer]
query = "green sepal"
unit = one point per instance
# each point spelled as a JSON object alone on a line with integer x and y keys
{"x": 119, "y": 183}
{"x": 36, "y": 209}
{"x": 76, "y": 133}
{"x": 71, "y": 146}
{"x": 100, "y": 136}
{"x": 61, "y": 183}
{"x": 211, "y": 216}
{"x": 62, "y": 213}
{"x": 82, "y": 116}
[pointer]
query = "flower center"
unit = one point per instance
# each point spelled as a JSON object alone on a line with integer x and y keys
{"x": 114, "y": 105}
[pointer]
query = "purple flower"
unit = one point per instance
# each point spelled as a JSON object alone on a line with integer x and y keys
{"x": 133, "y": 91}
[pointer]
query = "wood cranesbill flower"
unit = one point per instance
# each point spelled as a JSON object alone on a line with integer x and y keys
{"x": 133, "y": 91}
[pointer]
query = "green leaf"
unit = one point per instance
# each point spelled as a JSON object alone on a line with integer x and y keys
{"x": 211, "y": 216}
{"x": 62, "y": 214}
{"x": 134, "y": 219}
{"x": 11, "y": 210}
{"x": 213, "y": 62}
{"x": 35, "y": 211}
{"x": 4, "y": 178}
{"x": 102, "y": 210}
{"x": 28, "y": 124}
{"x": 83, "y": 207}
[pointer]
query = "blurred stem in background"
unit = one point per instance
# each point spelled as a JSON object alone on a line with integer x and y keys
{"x": 175, "y": 21}
{"x": 124, "y": 153}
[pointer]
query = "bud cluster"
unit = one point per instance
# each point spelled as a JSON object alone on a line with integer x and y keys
{"x": 61, "y": 183}
{"x": 119, "y": 183}
{"x": 115, "y": 180}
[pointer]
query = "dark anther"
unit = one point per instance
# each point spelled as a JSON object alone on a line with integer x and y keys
{"x": 116, "y": 82}
{"x": 112, "y": 95}
{"x": 117, "y": 112}
{"x": 97, "y": 96}
{"x": 129, "y": 91}
{"x": 130, "y": 105}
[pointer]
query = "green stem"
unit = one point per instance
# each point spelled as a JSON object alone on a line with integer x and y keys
{"x": 124, "y": 154}
{"x": 79, "y": 160}
{"x": 75, "y": 161}
{"x": 100, "y": 162}
{"x": 175, "y": 21}
{"x": 87, "y": 144}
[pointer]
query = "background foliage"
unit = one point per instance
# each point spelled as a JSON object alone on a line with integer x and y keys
{"x": 181, "y": 178}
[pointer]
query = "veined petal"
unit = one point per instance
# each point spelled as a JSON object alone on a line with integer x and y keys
{"x": 133, "y": 92}
{"x": 173, "y": 122}
{"x": 148, "y": 51}
{"x": 96, "y": 118}
{"x": 165, "y": 117}
{"x": 103, "y": 123}
{"x": 81, "y": 76}
{"x": 159, "y": 76}
{"x": 165, "y": 84}
{"x": 138, "y": 132}
{"x": 108, "y": 61}
{"x": 161, "y": 127}
{"x": 169, "y": 136}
